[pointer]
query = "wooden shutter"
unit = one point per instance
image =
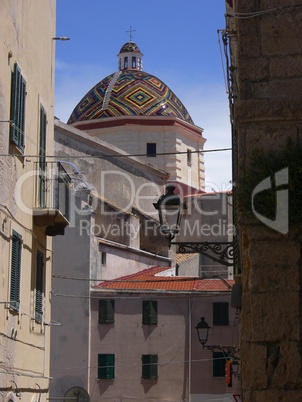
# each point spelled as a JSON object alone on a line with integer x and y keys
{"x": 106, "y": 366}
{"x": 219, "y": 361}
{"x": 149, "y": 366}
{"x": 17, "y": 113}
{"x": 106, "y": 311}
{"x": 220, "y": 313}
{"x": 39, "y": 286}
{"x": 15, "y": 271}
{"x": 42, "y": 160}
{"x": 149, "y": 312}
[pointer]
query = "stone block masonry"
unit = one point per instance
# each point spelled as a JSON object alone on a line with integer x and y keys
{"x": 266, "y": 59}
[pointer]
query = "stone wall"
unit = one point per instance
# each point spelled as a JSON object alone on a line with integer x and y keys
{"x": 265, "y": 52}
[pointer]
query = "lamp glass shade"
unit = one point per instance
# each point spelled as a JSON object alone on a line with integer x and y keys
{"x": 203, "y": 331}
{"x": 170, "y": 210}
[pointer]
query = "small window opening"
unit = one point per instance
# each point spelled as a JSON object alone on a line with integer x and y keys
{"x": 151, "y": 149}
{"x": 189, "y": 156}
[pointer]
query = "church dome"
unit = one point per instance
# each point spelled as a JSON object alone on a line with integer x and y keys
{"x": 129, "y": 47}
{"x": 129, "y": 92}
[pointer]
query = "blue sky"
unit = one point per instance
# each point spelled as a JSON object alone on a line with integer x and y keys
{"x": 180, "y": 45}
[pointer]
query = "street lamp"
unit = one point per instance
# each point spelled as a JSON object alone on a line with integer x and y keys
{"x": 203, "y": 332}
{"x": 170, "y": 210}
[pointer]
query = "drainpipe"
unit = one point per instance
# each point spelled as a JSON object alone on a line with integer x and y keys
{"x": 190, "y": 348}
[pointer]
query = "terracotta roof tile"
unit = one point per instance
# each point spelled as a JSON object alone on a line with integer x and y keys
{"x": 149, "y": 279}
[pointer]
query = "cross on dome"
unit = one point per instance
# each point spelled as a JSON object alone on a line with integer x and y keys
{"x": 130, "y": 33}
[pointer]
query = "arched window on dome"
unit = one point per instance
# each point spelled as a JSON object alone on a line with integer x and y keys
{"x": 125, "y": 62}
{"x": 139, "y": 62}
{"x": 133, "y": 62}
{"x": 120, "y": 64}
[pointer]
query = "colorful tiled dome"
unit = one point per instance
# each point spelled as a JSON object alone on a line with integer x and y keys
{"x": 129, "y": 47}
{"x": 129, "y": 92}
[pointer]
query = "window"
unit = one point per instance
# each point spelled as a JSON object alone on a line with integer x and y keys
{"x": 149, "y": 312}
{"x": 103, "y": 257}
{"x": 149, "y": 366}
{"x": 125, "y": 62}
{"x": 189, "y": 156}
{"x": 219, "y": 361}
{"x": 151, "y": 149}
{"x": 15, "y": 271}
{"x": 17, "y": 111}
{"x": 42, "y": 159}
{"x": 133, "y": 62}
{"x": 106, "y": 311}
{"x": 105, "y": 366}
{"x": 39, "y": 291}
{"x": 220, "y": 313}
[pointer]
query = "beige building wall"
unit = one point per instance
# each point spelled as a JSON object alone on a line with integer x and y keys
{"x": 185, "y": 369}
{"x": 170, "y": 135}
{"x": 26, "y": 31}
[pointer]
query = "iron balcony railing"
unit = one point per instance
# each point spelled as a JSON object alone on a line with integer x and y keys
{"x": 52, "y": 187}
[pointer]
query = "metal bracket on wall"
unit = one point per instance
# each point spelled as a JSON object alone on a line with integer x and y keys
{"x": 221, "y": 252}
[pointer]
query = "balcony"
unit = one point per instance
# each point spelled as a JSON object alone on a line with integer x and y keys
{"x": 52, "y": 197}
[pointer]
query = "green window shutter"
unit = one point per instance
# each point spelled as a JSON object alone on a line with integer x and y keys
{"x": 17, "y": 113}
{"x": 219, "y": 361}
{"x": 106, "y": 364}
{"x": 22, "y": 114}
{"x": 15, "y": 270}
{"x": 106, "y": 311}
{"x": 149, "y": 312}
{"x": 42, "y": 160}
{"x": 220, "y": 313}
{"x": 149, "y": 366}
{"x": 39, "y": 286}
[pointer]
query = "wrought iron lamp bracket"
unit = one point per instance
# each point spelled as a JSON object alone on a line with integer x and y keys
{"x": 227, "y": 350}
{"x": 221, "y": 252}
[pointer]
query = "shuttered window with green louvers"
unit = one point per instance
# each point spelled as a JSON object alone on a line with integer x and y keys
{"x": 17, "y": 111}
{"x": 220, "y": 313}
{"x": 106, "y": 311}
{"x": 149, "y": 366}
{"x": 149, "y": 312}
{"x": 15, "y": 271}
{"x": 39, "y": 292}
{"x": 42, "y": 158}
{"x": 106, "y": 366}
{"x": 219, "y": 361}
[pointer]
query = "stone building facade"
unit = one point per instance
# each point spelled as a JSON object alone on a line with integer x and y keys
{"x": 265, "y": 99}
{"x": 27, "y": 211}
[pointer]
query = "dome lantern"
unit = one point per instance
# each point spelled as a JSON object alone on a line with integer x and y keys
{"x": 130, "y": 57}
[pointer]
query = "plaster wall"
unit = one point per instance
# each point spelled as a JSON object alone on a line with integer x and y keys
{"x": 208, "y": 219}
{"x": 125, "y": 261}
{"x": 173, "y": 339}
{"x": 26, "y": 30}
{"x": 69, "y": 360}
{"x": 133, "y": 139}
{"x": 124, "y": 181}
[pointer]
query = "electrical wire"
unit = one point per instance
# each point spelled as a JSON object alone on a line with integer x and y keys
{"x": 137, "y": 364}
{"x": 165, "y": 279}
{"x": 30, "y": 231}
{"x": 105, "y": 156}
{"x": 224, "y": 76}
{"x": 262, "y": 12}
